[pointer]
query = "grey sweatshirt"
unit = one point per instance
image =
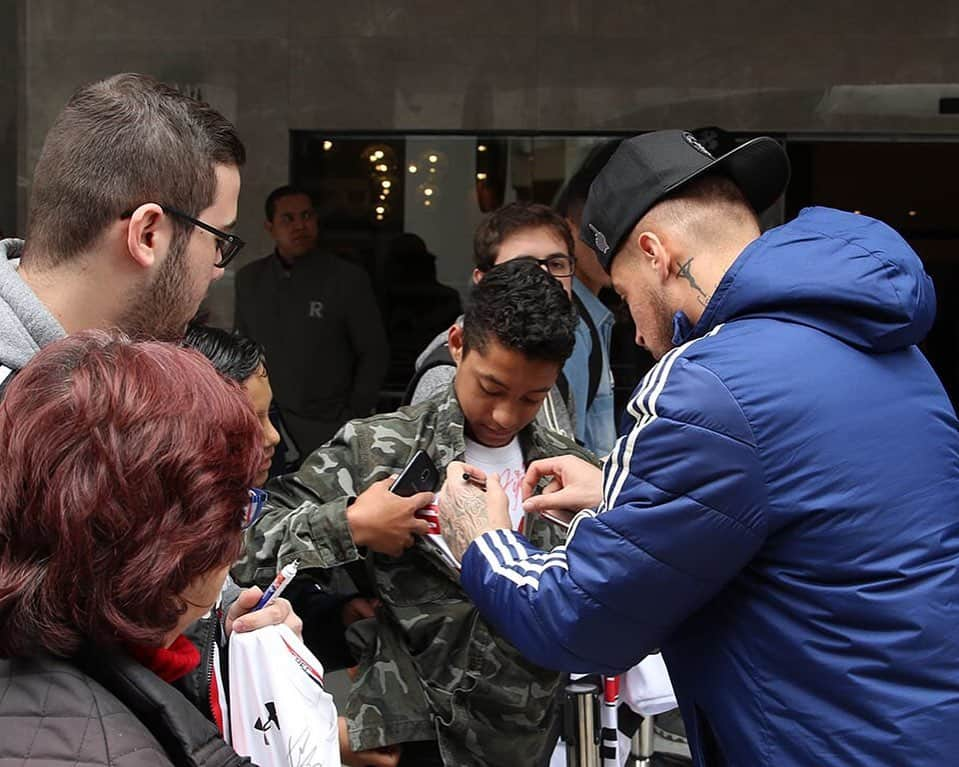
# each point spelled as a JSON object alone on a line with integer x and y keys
{"x": 25, "y": 323}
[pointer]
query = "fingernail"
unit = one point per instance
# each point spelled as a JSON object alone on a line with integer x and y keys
{"x": 239, "y": 626}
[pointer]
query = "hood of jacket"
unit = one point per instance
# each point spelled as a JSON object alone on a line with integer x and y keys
{"x": 844, "y": 274}
{"x": 25, "y": 323}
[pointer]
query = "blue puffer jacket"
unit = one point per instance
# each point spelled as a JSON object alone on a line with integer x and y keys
{"x": 781, "y": 516}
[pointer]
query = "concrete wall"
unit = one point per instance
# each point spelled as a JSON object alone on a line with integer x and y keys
{"x": 498, "y": 64}
{"x": 9, "y": 83}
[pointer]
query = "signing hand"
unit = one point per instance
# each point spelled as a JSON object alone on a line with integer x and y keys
{"x": 384, "y": 522}
{"x": 388, "y": 756}
{"x": 466, "y": 512}
{"x": 277, "y": 612}
{"x": 575, "y": 485}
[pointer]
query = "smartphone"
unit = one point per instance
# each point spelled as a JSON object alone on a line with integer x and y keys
{"x": 559, "y": 517}
{"x": 419, "y": 475}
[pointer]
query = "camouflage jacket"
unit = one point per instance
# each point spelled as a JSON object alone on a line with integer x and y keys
{"x": 430, "y": 667}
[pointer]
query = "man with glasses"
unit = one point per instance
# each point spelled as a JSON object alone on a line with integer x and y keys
{"x": 131, "y": 205}
{"x": 517, "y": 230}
{"x": 316, "y": 317}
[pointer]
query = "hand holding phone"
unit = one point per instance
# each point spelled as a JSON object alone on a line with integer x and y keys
{"x": 420, "y": 475}
{"x": 384, "y": 521}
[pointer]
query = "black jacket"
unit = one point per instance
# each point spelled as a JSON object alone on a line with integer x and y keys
{"x": 101, "y": 710}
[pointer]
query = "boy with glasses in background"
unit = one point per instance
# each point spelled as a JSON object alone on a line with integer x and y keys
{"x": 517, "y": 230}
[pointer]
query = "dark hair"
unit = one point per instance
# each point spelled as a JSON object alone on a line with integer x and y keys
{"x": 522, "y": 307}
{"x": 515, "y": 217}
{"x": 125, "y": 475}
{"x": 117, "y": 144}
{"x": 233, "y": 355}
{"x": 278, "y": 194}
{"x": 572, "y": 198}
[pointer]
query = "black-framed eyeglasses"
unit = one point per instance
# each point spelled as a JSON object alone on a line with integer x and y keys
{"x": 227, "y": 245}
{"x": 556, "y": 264}
{"x": 254, "y": 508}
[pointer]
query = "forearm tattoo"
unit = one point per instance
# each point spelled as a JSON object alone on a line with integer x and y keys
{"x": 466, "y": 519}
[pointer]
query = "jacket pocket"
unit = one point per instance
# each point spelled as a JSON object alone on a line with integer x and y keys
{"x": 413, "y": 579}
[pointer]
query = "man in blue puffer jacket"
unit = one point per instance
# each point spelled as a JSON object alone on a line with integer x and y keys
{"x": 781, "y": 511}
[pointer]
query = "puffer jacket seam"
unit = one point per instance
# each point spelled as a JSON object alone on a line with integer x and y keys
{"x": 96, "y": 704}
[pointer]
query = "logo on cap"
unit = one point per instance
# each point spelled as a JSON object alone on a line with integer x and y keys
{"x": 601, "y": 245}
{"x": 694, "y": 143}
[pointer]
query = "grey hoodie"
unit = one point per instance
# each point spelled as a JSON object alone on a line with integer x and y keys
{"x": 25, "y": 324}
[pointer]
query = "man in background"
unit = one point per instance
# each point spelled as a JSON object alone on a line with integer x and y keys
{"x": 588, "y": 368}
{"x": 316, "y": 317}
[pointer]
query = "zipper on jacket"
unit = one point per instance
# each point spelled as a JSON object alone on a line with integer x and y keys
{"x": 214, "y": 638}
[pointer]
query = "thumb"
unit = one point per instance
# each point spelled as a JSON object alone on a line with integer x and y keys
{"x": 385, "y": 482}
{"x": 248, "y": 598}
{"x": 243, "y": 604}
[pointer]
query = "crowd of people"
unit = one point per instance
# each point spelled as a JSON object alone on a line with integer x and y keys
{"x": 775, "y": 514}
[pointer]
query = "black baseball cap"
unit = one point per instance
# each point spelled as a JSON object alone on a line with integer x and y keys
{"x": 647, "y": 168}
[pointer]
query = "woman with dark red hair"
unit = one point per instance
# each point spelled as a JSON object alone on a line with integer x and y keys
{"x": 124, "y": 489}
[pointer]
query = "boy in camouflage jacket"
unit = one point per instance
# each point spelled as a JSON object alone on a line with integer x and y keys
{"x": 429, "y": 668}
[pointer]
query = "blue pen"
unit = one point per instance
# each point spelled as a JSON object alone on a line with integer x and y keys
{"x": 281, "y": 581}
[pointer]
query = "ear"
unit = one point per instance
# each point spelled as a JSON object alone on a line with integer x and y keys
{"x": 477, "y": 276}
{"x": 455, "y": 340}
{"x": 654, "y": 254}
{"x": 268, "y": 226}
{"x": 148, "y": 235}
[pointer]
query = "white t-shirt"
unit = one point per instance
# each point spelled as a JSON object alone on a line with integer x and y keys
{"x": 507, "y": 461}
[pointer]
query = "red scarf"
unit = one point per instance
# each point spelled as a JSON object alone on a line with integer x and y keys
{"x": 168, "y": 663}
